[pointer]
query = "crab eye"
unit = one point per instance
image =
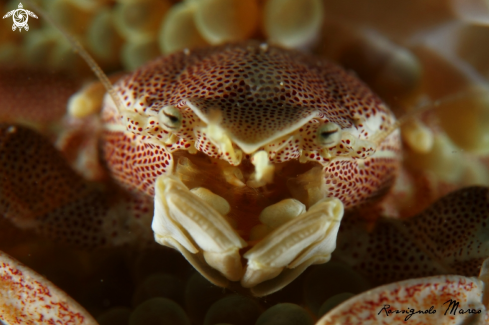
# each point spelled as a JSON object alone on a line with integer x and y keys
{"x": 328, "y": 134}
{"x": 170, "y": 118}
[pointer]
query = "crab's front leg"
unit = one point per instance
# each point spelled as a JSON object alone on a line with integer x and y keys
{"x": 190, "y": 220}
{"x": 193, "y": 222}
{"x": 298, "y": 241}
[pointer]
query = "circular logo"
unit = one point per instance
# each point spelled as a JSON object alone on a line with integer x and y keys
{"x": 20, "y": 17}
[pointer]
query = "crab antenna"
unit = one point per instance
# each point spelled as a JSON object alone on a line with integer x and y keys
{"x": 77, "y": 47}
{"x": 425, "y": 108}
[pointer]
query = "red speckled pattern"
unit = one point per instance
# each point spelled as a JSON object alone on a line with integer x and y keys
{"x": 133, "y": 162}
{"x": 259, "y": 92}
{"x": 39, "y": 190}
{"x": 27, "y": 298}
{"x": 455, "y": 229}
{"x": 354, "y": 183}
{"x": 35, "y": 179}
{"x": 417, "y": 294}
{"x": 450, "y": 237}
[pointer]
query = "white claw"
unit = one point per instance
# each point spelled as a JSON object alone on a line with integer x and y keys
{"x": 228, "y": 263}
{"x": 187, "y": 223}
{"x": 279, "y": 213}
{"x": 307, "y": 239}
{"x": 217, "y": 202}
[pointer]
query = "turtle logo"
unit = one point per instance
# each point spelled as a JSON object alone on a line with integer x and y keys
{"x": 20, "y": 16}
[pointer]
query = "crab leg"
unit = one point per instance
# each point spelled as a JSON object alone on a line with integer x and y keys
{"x": 450, "y": 237}
{"x": 39, "y": 190}
{"x": 28, "y": 298}
{"x": 184, "y": 221}
{"x": 285, "y": 253}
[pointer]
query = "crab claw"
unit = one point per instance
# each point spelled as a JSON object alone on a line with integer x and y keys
{"x": 286, "y": 252}
{"x": 28, "y": 298}
{"x": 186, "y": 222}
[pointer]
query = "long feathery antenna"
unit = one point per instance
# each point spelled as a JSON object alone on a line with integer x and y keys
{"x": 427, "y": 107}
{"x": 77, "y": 47}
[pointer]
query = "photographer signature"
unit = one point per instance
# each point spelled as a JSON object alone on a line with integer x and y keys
{"x": 453, "y": 304}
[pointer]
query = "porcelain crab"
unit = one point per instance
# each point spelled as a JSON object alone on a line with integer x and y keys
{"x": 326, "y": 141}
